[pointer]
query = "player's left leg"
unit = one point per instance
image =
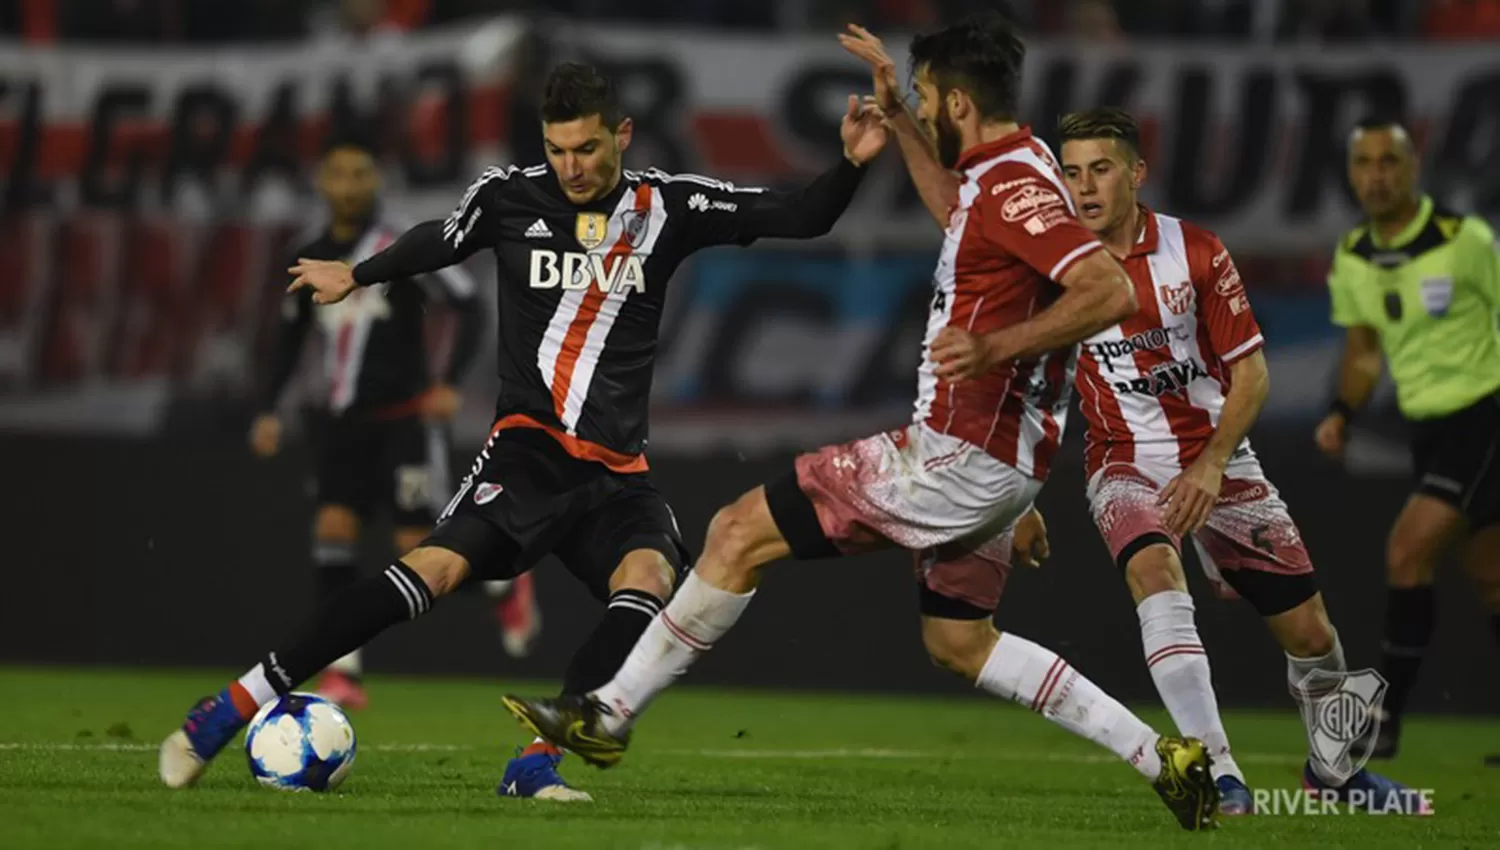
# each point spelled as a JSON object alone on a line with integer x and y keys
{"x": 742, "y": 538}
{"x": 959, "y": 591}
{"x": 1251, "y": 544}
{"x": 1127, "y": 510}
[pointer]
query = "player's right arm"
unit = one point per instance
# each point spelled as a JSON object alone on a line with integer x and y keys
{"x": 1361, "y": 363}
{"x": 936, "y": 186}
{"x": 425, "y": 248}
{"x": 1097, "y": 293}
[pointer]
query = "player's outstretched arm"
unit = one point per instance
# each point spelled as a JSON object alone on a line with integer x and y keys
{"x": 936, "y": 186}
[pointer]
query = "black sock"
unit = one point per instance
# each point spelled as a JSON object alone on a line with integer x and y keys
{"x": 600, "y": 657}
{"x": 1409, "y": 618}
{"x": 336, "y": 569}
{"x": 350, "y": 621}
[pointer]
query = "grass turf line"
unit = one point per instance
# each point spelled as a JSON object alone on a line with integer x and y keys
{"x": 712, "y": 769}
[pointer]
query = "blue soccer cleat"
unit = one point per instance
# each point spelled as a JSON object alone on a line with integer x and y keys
{"x": 209, "y": 727}
{"x": 1234, "y": 797}
{"x": 533, "y": 773}
{"x": 1369, "y": 791}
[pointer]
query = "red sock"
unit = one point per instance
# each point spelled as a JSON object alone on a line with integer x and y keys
{"x": 540, "y": 746}
{"x": 243, "y": 702}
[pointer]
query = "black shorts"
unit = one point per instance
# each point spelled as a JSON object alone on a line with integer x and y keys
{"x": 1455, "y": 460}
{"x": 526, "y": 498}
{"x": 400, "y": 465}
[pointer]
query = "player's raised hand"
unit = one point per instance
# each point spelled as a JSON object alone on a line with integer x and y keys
{"x": 863, "y": 131}
{"x": 1191, "y": 496}
{"x": 1029, "y": 545}
{"x": 961, "y": 355}
{"x": 330, "y": 280}
{"x": 863, "y": 44}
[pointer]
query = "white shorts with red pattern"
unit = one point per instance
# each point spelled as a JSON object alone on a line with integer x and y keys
{"x": 946, "y": 500}
{"x": 1250, "y": 527}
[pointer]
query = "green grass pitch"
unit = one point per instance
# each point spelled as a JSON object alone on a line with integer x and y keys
{"x": 713, "y": 769}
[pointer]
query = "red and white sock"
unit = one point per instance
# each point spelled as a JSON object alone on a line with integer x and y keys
{"x": 1179, "y": 667}
{"x": 1039, "y": 679}
{"x": 251, "y": 691}
{"x": 692, "y": 622}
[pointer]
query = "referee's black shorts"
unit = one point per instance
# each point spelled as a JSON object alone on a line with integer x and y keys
{"x": 1455, "y": 458}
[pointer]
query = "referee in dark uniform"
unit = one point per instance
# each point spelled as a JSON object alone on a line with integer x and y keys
{"x": 1420, "y": 286}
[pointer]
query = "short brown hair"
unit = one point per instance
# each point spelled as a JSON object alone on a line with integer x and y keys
{"x": 575, "y": 90}
{"x": 1105, "y": 122}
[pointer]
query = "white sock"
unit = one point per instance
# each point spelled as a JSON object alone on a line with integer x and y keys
{"x": 349, "y": 665}
{"x": 497, "y": 588}
{"x": 1179, "y": 666}
{"x": 257, "y": 685}
{"x": 692, "y": 622}
{"x": 1036, "y": 677}
{"x": 1308, "y": 699}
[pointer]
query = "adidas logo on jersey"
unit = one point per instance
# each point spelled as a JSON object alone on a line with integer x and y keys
{"x": 539, "y": 230}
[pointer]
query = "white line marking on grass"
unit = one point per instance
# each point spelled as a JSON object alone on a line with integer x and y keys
{"x": 828, "y": 754}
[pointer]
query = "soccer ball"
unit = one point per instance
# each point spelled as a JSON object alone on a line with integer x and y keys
{"x": 300, "y": 742}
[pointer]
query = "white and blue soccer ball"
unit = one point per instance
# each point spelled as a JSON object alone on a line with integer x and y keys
{"x": 300, "y": 742}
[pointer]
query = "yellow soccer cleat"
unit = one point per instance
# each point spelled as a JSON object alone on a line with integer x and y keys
{"x": 571, "y": 723}
{"x": 1186, "y": 784}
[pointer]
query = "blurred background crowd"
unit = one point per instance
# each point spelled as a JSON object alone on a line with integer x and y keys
{"x": 1265, "y": 21}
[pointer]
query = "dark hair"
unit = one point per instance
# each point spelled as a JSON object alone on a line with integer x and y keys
{"x": 982, "y": 57}
{"x": 575, "y": 90}
{"x": 1105, "y": 122}
{"x": 351, "y": 138}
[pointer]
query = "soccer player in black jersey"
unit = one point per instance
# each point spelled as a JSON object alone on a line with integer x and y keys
{"x": 386, "y": 442}
{"x": 585, "y": 250}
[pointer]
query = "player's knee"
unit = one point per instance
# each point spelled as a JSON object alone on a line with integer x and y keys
{"x": 646, "y": 570}
{"x": 336, "y": 523}
{"x": 1155, "y": 569}
{"x": 409, "y": 538}
{"x": 1309, "y": 637}
{"x": 960, "y": 646}
{"x": 1408, "y": 559}
{"x": 732, "y": 536}
{"x": 442, "y": 570}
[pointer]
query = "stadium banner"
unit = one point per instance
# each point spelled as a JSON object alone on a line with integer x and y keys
{"x": 1247, "y": 140}
{"x": 151, "y": 197}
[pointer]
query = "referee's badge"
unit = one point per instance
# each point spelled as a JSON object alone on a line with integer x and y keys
{"x": 590, "y": 229}
{"x": 1437, "y": 295}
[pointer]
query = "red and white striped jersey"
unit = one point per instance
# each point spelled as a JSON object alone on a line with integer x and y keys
{"x": 1151, "y": 387}
{"x": 1010, "y": 237}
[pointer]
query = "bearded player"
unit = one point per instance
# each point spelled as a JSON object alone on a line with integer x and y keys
{"x": 1018, "y": 283}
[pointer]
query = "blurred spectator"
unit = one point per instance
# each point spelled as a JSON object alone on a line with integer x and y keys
{"x": 1328, "y": 20}
{"x": 1462, "y": 20}
{"x": 126, "y": 21}
{"x": 1094, "y": 22}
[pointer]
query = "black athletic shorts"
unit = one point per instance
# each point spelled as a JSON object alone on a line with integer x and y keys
{"x": 400, "y": 465}
{"x": 1455, "y": 460}
{"x": 526, "y": 498}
